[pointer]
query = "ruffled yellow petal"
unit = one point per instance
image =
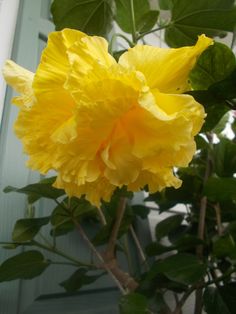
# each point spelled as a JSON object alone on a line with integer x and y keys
{"x": 94, "y": 192}
{"x": 176, "y": 105}
{"x": 165, "y": 68}
{"x": 155, "y": 181}
{"x": 54, "y": 67}
{"x": 21, "y": 80}
{"x": 36, "y": 127}
{"x": 122, "y": 167}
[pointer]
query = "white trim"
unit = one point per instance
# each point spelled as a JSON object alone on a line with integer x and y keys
{"x": 8, "y": 17}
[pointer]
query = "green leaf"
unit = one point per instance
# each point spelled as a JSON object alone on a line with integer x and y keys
{"x": 26, "y": 229}
{"x": 228, "y": 292}
{"x": 64, "y": 211}
{"x": 156, "y": 248}
{"x": 224, "y": 247}
{"x": 186, "y": 194}
{"x": 182, "y": 268}
{"x": 214, "y": 107}
{"x": 93, "y": 17}
{"x": 133, "y": 303}
{"x": 187, "y": 242}
{"x": 220, "y": 189}
{"x": 225, "y": 89}
{"x": 225, "y": 158}
{"x": 217, "y": 100}
{"x": 78, "y": 279}
{"x": 147, "y": 21}
{"x": 214, "y": 303}
{"x": 26, "y": 265}
{"x": 214, "y": 65}
{"x": 165, "y": 226}
{"x": 141, "y": 211}
{"x": 145, "y": 18}
{"x": 165, "y": 4}
{"x": 221, "y": 125}
{"x": 192, "y": 18}
{"x": 38, "y": 190}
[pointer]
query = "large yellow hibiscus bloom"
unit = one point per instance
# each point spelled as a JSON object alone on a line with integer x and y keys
{"x": 100, "y": 123}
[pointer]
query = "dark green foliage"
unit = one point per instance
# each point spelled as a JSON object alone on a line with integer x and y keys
{"x": 133, "y": 303}
{"x": 145, "y": 18}
{"x": 26, "y": 265}
{"x": 214, "y": 65}
{"x": 38, "y": 190}
{"x": 217, "y": 302}
{"x": 192, "y": 18}
{"x": 92, "y": 17}
{"x": 26, "y": 229}
{"x": 78, "y": 279}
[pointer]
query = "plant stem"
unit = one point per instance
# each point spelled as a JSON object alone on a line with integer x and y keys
{"x": 134, "y": 36}
{"x": 181, "y": 302}
{"x": 114, "y": 36}
{"x": 110, "y": 252}
{"x": 218, "y": 219}
{"x": 63, "y": 263}
{"x": 152, "y": 31}
{"x": 62, "y": 254}
{"x": 201, "y": 230}
{"x": 139, "y": 247}
{"x": 101, "y": 216}
{"x": 99, "y": 256}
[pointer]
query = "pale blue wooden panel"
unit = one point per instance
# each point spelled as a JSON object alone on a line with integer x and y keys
{"x": 104, "y": 301}
{"x": 12, "y": 161}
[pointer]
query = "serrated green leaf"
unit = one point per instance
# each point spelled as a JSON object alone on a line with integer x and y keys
{"x": 27, "y": 228}
{"x": 26, "y": 265}
{"x": 220, "y": 189}
{"x": 214, "y": 65}
{"x": 165, "y": 226}
{"x": 78, "y": 279}
{"x": 133, "y": 303}
{"x": 192, "y": 18}
{"x": 93, "y": 17}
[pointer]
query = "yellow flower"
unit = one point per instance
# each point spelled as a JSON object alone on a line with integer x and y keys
{"x": 102, "y": 124}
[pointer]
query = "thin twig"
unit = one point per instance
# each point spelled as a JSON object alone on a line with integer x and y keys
{"x": 139, "y": 247}
{"x": 218, "y": 219}
{"x": 101, "y": 216}
{"x": 181, "y": 302}
{"x": 201, "y": 229}
{"x": 152, "y": 31}
{"x": 110, "y": 252}
{"x": 99, "y": 256}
